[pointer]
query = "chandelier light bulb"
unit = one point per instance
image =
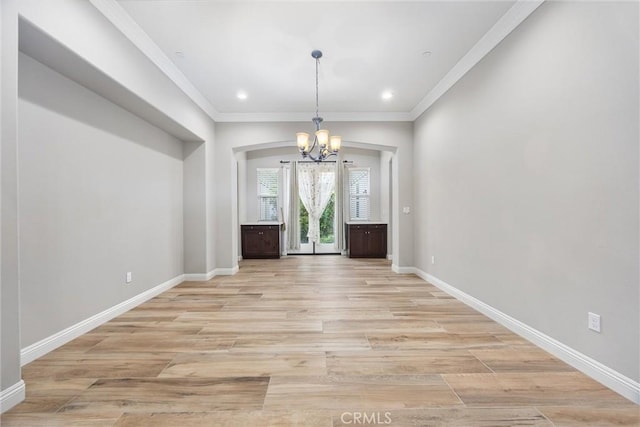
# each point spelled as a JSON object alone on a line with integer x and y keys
{"x": 303, "y": 141}
{"x": 335, "y": 142}
{"x": 323, "y": 137}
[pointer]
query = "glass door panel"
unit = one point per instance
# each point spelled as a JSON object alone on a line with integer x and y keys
{"x": 305, "y": 246}
{"x": 327, "y": 228}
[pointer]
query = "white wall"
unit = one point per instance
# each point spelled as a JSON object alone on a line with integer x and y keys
{"x": 527, "y": 179}
{"x": 270, "y": 158}
{"x": 100, "y": 195}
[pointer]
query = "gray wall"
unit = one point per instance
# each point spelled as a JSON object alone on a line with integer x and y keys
{"x": 10, "y": 373}
{"x": 100, "y": 195}
{"x": 194, "y": 211}
{"x": 94, "y": 46}
{"x": 527, "y": 179}
{"x": 97, "y": 46}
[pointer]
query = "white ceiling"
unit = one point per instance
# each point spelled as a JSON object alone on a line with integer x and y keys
{"x": 264, "y": 48}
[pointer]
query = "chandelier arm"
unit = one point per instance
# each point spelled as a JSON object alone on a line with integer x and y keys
{"x": 315, "y": 142}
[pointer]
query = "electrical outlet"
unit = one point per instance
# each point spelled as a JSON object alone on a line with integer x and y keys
{"x": 129, "y": 277}
{"x": 433, "y": 259}
{"x": 594, "y": 322}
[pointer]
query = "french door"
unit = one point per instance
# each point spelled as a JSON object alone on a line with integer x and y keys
{"x": 316, "y": 183}
{"x": 327, "y": 230}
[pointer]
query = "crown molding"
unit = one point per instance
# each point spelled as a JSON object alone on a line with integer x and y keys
{"x": 123, "y": 22}
{"x": 501, "y": 29}
{"x": 306, "y": 117}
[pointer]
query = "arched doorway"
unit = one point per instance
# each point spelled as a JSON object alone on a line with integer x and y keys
{"x": 335, "y": 200}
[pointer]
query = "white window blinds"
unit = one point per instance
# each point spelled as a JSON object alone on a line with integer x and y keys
{"x": 267, "y": 194}
{"x": 359, "y": 193}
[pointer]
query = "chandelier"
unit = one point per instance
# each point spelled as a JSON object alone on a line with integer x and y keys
{"x": 326, "y": 145}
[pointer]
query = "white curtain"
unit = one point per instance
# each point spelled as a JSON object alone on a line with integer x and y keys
{"x": 293, "y": 226}
{"x": 316, "y": 184}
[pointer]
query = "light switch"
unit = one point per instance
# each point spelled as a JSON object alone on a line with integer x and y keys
{"x": 406, "y": 210}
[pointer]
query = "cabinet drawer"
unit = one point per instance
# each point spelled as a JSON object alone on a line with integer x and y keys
{"x": 260, "y": 227}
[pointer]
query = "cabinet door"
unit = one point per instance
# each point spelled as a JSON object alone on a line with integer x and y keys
{"x": 357, "y": 241}
{"x": 271, "y": 241}
{"x": 251, "y": 242}
{"x": 377, "y": 241}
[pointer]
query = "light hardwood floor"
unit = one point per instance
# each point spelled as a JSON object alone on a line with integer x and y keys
{"x": 310, "y": 341}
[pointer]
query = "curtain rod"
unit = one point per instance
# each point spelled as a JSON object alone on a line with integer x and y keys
{"x": 311, "y": 161}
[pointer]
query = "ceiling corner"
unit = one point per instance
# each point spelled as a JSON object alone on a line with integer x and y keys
{"x": 500, "y": 30}
{"x": 132, "y": 31}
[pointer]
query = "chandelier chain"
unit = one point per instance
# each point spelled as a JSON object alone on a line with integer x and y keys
{"x": 317, "y": 62}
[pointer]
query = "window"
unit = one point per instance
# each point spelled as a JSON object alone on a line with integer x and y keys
{"x": 267, "y": 194}
{"x": 359, "y": 193}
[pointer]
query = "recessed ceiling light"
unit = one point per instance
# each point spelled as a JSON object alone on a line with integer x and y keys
{"x": 387, "y": 94}
{"x": 242, "y": 95}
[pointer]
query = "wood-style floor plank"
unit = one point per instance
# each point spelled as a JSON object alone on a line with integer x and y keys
{"x": 270, "y": 343}
{"x": 536, "y": 389}
{"x": 107, "y": 397}
{"x": 360, "y": 392}
{"x": 228, "y": 419}
{"x": 214, "y": 365}
{"x": 310, "y": 341}
{"x": 569, "y": 416}
{"x": 463, "y": 417}
{"x": 403, "y": 362}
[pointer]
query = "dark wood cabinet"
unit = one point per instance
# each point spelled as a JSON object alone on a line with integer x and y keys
{"x": 367, "y": 240}
{"x": 260, "y": 241}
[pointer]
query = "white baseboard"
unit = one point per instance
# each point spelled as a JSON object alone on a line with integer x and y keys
{"x": 227, "y": 271}
{"x": 197, "y": 277}
{"x": 403, "y": 270}
{"x": 11, "y": 396}
{"x": 54, "y": 341}
{"x": 616, "y": 381}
